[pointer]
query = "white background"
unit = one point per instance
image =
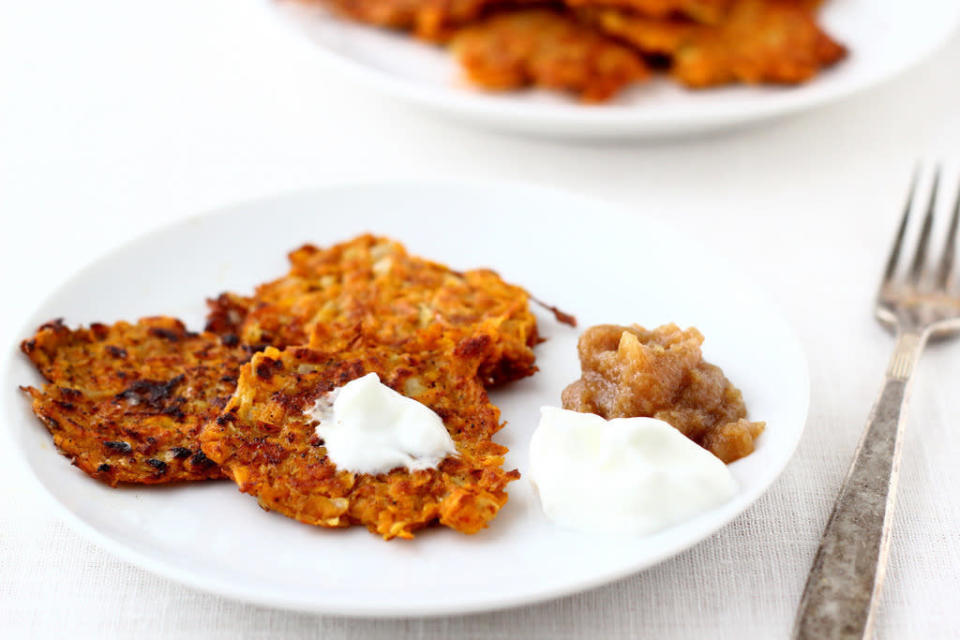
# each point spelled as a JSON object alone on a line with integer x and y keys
{"x": 117, "y": 117}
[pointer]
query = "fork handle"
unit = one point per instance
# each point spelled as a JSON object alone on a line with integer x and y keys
{"x": 841, "y": 593}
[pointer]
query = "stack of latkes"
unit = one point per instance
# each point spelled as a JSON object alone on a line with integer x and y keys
{"x": 595, "y": 48}
{"x": 152, "y": 403}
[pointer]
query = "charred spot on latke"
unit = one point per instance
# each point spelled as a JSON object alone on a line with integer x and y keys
{"x": 126, "y": 402}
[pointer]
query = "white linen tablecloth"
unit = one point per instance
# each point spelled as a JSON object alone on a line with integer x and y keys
{"x": 119, "y": 117}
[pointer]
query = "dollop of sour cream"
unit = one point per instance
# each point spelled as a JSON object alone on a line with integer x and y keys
{"x": 367, "y": 427}
{"x": 626, "y": 475}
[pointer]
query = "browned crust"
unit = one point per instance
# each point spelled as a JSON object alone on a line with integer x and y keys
{"x": 704, "y": 11}
{"x": 546, "y": 48}
{"x": 371, "y": 287}
{"x": 511, "y": 44}
{"x": 759, "y": 41}
{"x": 126, "y": 402}
{"x": 268, "y": 446}
{"x": 431, "y": 20}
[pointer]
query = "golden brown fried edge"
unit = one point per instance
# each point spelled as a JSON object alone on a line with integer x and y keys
{"x": 126, "y": 402}
{"x": 431, "y": 20}
{"x": 546, "y": 48}
{"x": 371, "y": 287}
{"x": 268, "y": 446}
{"x": 759, "y": 41}
{"x": 705, "y": 11}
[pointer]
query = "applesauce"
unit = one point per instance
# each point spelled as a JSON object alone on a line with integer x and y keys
{"x": 629, "y": 371}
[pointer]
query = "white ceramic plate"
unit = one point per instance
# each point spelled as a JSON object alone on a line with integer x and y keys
{"x": 602, "y": 263}
{"x": 884, "y": 38}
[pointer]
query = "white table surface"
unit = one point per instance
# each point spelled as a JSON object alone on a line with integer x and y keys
{"x": 117, "y": 117}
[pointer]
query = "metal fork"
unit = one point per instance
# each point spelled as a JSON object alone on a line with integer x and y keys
{"x": 917, "y": 301}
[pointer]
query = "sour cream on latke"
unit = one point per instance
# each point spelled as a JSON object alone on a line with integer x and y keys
{"x": 627, "y": 475}
{"x": 367, "y": 427}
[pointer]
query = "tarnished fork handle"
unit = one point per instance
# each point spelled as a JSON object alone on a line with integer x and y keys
{"x": 849, "y": 566}
{"x": 841, "y": 593}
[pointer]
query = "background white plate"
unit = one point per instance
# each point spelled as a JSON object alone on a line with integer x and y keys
{"x": 602, "y": 263}
{"x": 884, "y": 37}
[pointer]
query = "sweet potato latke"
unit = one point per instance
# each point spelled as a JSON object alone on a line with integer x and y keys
{"x": 268, "y": 446}
{"x": 758, "y": 41}
{"x": 704, "y": 11}
{"x": 433, "y": 20}
{"x": 548, "y": 49}
{"x": 594, "y": 48}
{"x": 126, "y": 402}
{"x": 630, "y": 371}
{"x": 371, "y": 287}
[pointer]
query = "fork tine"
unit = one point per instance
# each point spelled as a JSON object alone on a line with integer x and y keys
{"x": 920, "y": 257}
{"x": 950, "y": 249}
{"x": 898, "y": 242}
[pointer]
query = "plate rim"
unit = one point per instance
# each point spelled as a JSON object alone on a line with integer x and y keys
{"x": 603, "y": 121}
{"x": 218, "y": 587}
